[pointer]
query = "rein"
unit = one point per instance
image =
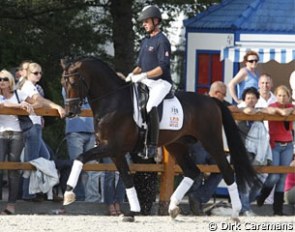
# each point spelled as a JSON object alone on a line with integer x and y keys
{"x": 111, "y": 93}
{"x": 83, "y": 82}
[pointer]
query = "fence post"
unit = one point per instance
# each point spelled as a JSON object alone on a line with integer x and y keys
{"x": 166, "y": 183}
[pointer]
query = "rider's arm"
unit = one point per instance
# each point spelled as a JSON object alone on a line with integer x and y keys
{"x": 241, "y": 75}
{"x": 156, "y": 72}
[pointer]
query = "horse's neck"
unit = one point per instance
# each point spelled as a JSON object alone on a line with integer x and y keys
{"x": 111, "y": 101}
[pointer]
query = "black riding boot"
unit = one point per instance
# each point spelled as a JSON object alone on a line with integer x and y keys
{"x": 153, "y": 133}
{"x": 265, "y": 191}
{"x": 278, "y": 203}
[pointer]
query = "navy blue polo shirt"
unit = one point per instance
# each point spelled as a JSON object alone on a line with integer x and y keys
{"x": 156, "y": 51}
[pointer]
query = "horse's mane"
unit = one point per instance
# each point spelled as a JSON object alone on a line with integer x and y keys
{"x": 72, "y": 59}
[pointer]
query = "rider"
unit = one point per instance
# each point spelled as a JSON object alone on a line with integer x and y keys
{"x": 153, "y": 70}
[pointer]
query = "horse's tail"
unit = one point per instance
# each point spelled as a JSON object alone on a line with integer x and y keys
{"x": 245, "y": 173}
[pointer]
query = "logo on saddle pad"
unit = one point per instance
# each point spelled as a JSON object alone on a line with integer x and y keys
{"x": 172, "y": 117}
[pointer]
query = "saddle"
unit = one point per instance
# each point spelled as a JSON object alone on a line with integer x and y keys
{"x": 143, "y": 96}
{"x": 170, "y": 112}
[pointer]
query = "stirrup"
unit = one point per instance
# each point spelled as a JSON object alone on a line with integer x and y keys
{"x": 149, "y": 151}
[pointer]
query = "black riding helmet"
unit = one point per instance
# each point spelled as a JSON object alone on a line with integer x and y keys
{"x": 150, "y": 12}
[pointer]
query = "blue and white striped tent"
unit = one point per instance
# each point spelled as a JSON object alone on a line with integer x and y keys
{"x": 280, "y": 55}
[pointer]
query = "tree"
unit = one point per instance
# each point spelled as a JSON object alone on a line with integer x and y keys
{"x": 45, "y": 31}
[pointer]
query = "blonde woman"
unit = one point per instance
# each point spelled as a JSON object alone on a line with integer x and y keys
{"x": 281, "y": 141}
{"x": 35, "y": 145}
{"x": 245, "y": 78}
{"x": 11, "y": 136}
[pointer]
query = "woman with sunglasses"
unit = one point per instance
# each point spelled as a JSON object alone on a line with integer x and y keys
{"x": 35, "y": 145}
{"x": 11, "y": 135}
{"x": 246, "y": 77}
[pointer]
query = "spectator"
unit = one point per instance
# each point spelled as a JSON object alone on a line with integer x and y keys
{"x": 35, "y": 147}
{"x": 114, "y": 190}
{"x": 265, "y": 85}
{"x": 266, "y": 98}
{"x": 245, "y": 78}
{"x": 200, "y": 194}
{"x": 290, "y": 185}
{"x": 281, "y": 141}
{"x": 290, "y": 179}
{"x": 292, "y": 84}
{"x": 80, "y": 137}
{"x": 256, "y": 139}
{"x": 11, "y": 136}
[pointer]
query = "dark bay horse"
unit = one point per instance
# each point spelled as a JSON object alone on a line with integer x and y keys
{"x": 111, "y": 102}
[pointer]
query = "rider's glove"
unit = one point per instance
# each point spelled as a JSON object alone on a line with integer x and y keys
{"x": 129, "y": 77}
{"x": 138, "y": 77}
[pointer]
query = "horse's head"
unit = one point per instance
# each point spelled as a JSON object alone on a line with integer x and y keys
{"x": 75, "y": 87}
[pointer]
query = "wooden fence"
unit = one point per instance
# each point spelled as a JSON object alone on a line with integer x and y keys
{"x": 167, "y": 169}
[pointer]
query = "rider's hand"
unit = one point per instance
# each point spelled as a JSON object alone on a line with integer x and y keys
{"x": 138, "y": 77}
{"x": 129, "y": 77}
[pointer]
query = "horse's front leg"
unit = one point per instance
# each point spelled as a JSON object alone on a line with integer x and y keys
{"x": 127, "y": 178}
{"x": 95, "y": 153}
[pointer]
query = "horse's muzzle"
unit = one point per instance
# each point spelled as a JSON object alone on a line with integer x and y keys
{"x": 72, "y": 107}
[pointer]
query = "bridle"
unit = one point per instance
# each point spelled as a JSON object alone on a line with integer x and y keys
{"x": 82, "y": 83}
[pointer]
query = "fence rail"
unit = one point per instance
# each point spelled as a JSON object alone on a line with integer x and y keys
{"x": 168, "y": 169}
{"x": 88, "y": 113}
{"x": 151, "y": 167}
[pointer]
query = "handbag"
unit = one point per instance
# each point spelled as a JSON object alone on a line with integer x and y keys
{"x": 25, "y": 122}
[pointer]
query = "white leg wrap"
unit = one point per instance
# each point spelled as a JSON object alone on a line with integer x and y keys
{"x": 180, "y": 191}
{"x": 133, "y": 200}
{"x": 235, "y": 199}
{"x": 75, "y": 172}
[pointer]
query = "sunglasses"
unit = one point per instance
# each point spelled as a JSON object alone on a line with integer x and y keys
{"x": 4, "y": 79}
{"x": 36, "y": 73}
{"x": 252, "y": 61}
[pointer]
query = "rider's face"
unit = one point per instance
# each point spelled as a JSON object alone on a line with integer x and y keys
{"x": 148, "y": 25}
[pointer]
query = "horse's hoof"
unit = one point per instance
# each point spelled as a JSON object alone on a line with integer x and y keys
{"x": 174, "y": 212}
{"x": 69, "y": 197}
{"x": 129, "y": 217}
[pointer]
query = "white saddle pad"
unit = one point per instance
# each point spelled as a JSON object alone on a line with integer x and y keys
{"x": 172, "y": 118}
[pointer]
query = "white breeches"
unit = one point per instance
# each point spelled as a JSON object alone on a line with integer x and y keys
{"x": 158, "y": 89}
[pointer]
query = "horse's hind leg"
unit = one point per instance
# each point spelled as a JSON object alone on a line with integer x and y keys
{"x": 215, "y": 148}
{"x": 191, "y": 173}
